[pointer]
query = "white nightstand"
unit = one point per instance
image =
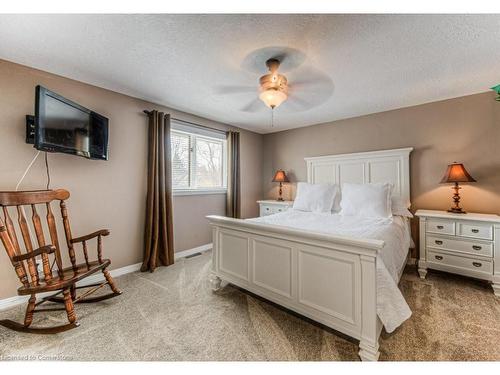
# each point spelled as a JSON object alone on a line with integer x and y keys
{"x": 269, "y": 207}
{"x": 466, "y": 244}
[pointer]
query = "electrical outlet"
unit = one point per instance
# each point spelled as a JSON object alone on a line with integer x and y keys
{"x": 39, "y": 267}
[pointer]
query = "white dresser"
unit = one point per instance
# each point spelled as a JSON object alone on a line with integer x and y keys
{"x": 465, "y": 244}
{"x": 269, "y": 207}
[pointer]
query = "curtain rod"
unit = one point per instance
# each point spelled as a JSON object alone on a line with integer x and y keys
{"x": 191, "y": 123}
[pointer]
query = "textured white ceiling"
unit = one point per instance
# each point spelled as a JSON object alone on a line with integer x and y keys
{"x": 373, "y": 63}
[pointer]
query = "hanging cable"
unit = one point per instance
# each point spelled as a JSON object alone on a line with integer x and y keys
{"x": 27, "y": 170}
{"x": 48, "y": 185}
{"x": 17, "y": 188}
{"x": 47, "y": 169}
{"x": 272, "y": 117}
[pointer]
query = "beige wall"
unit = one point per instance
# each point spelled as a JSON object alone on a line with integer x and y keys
{"x": 465, "y": 129}
{"x": 107, "y": 194}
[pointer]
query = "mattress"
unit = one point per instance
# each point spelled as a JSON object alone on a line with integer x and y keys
{"x": 392, "y": 308}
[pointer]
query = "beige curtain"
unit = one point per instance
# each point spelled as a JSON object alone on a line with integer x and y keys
{"x": 158, "y": 234}
{"x": 233, "y": 203}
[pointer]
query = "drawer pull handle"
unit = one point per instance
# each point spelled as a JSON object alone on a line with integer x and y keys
{"x": 476, "y": 264}
{"x": 475, "y": 230}
{"x": 438, "y": 257}
{"x": 438, "y": 242}
{"x": 476, "y": 247}
{"x": 440, "y": 227}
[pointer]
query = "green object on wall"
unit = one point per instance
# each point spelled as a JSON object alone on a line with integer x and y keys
{"x": 497, "y": 90}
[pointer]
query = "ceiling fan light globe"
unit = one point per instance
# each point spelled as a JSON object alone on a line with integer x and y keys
{"x": 272, "y": 97}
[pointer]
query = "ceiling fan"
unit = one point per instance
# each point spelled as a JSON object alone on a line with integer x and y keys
{"x": 273, "y": 86}
{"x": 301, "y": 89}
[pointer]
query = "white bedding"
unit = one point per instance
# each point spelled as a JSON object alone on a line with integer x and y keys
{"x": 392, "y": 308}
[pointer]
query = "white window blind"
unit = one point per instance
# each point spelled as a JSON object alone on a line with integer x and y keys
{"x": 198, "y": 160}
{"x": 180, "y": 159}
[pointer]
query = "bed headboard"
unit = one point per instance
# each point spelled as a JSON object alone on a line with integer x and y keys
{"x": 364, "y": 167}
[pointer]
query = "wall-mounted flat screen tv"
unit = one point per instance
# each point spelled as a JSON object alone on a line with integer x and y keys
{"x": 64, "y": 126}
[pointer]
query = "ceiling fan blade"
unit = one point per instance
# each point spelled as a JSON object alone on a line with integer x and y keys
{"x": 314, "y": 90}
{"x": 303, "y": 97}
{"x": 234, "y": 89}
{"x": 254, "y": 106}
{"x": 310, "y": 88}
{"x": 298, "y": 104}
{"x": 307, "y": 81}
{"x": 308, "y": 78}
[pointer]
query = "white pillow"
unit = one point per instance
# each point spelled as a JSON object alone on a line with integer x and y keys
{"x": 336, "y": 201}
{"x": 398, "y": 208}
{"x": 314, "y": 197}
{"x": 367, "y": 200}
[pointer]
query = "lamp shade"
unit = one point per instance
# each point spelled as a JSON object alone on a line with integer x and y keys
{"x": 456, "y": 172}
{"x": 280, "y": 176}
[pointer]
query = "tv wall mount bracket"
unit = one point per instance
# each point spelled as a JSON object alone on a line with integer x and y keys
{"x": 30, "y": 129}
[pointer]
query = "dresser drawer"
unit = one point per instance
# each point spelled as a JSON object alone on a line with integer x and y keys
{"x": 440, "y": 226}
{"x": 473, "y": 230}
{"x": 266, "y": 210}
{"x": 460, "y": 245}
{"x": 269, "y": 209}
{"x": 454, "y": 263}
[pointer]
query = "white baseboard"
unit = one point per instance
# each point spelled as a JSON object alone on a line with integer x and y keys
{"x": 16, "y": 300}
{"x": 12, "y": 301}
{"x": 98, "y": 277}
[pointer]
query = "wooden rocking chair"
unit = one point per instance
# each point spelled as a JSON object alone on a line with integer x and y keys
{"x": 65, "y": 280}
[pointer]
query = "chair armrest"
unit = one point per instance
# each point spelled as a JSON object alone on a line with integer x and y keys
{"x": 102, "y": 232}
{"x": 49, "y": 249}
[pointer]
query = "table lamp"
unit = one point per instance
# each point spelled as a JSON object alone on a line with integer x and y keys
{"x": 280, "y": 176}
{"x": 456, "y": 173}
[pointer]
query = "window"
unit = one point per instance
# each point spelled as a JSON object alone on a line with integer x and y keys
{"x": 198, "y": 160}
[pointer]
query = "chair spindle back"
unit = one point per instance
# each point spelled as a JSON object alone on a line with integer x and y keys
{"x": 23, "y": 201}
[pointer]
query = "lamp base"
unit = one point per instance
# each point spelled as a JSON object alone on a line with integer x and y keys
{"x": 456, "y": 200}
{"x": 280, "y": 197}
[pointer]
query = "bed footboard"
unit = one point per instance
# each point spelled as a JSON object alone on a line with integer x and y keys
{"x": 330, "y": 279}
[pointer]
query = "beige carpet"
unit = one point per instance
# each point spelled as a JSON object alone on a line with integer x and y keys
{"x": 172, "y": 315}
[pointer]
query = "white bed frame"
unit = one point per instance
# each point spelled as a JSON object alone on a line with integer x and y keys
{"x": 330, "y": 279}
